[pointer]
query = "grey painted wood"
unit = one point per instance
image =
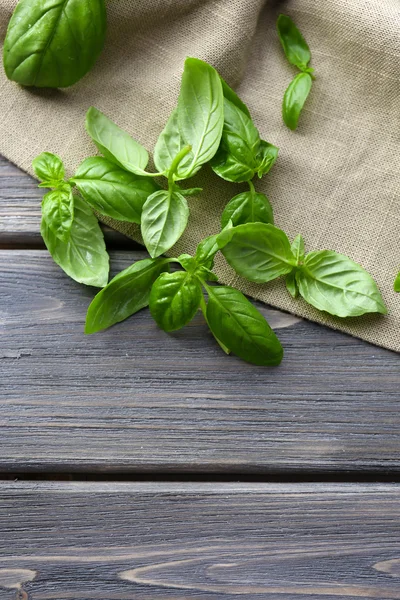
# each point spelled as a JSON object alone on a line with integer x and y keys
{"x": 136, "y": 399}
{"x": 190, "y": 541}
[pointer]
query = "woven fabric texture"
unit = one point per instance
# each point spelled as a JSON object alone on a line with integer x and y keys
{"x": 337, "y": 179}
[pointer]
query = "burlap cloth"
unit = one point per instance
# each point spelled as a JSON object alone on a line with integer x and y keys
{"x": 337, "y": 179}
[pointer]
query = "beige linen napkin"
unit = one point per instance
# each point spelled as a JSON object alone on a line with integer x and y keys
{"x": 337, "y": 179}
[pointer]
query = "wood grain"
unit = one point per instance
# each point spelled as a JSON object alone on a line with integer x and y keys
{"x": 178, "y": 541}
{"x": 135, "y": 399}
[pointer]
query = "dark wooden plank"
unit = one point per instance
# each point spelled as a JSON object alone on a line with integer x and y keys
{"x": 179, "y": 541}
{"x": 20, "y": 215}
{"x": 136, "y": 399}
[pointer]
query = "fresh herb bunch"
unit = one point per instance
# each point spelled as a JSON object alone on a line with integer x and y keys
{"x": 54, "y": 43}
{"x": 298, "y": 54}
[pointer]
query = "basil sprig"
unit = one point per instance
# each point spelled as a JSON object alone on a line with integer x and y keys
{"x": 298, "y": 54}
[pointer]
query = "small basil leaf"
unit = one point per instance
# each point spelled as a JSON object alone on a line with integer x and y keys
{"x": 164, "y": 218}
{"x": 49, "y": 167}
{"x": 293, "y": 44}
{"x": 115, "y": 144}
{"x": 232, "y": 96}
{"x": 169, "y": 144}
{"x": 187, "y": 262}
{"x": 236, "y": 159}
{"x": 267, "y": 157}
{"x": 297, "y": 248}
{"x": 200, "y": 114}
{"x": 84, "y": 257}
{"x": 291, "y": 284}
{"x": 257, "y": 251}
{"x": 112, "y": 191}
{"x": 248, "y": 207}
{"x": 241, "y": 328}
{"x": 396, "y": 285}
{"x": 334, "y": 283}
{"x": 53, "y": 43}
{"x": 174, "y": 300}
{"x": 206, "y": 251}
{"x": 125, "y": 295}
{"x": 294, "y": 99}
{"x": 205, "y": 274}
{"x": 191, "y": 191}
{"x": 58, "y": 212}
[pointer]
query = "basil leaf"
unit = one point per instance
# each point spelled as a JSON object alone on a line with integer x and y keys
{"x": 232, "y": 96}
{"x": 112, "y": 191}
{"x": 266, "y": 157}
{"x": 241, "y": 328}
{"x": 58, "y": 212}
{"x": 293, "y": 44}
{"x": 169, "y": 144}
{"x": 334, "y": 283}
{"x": 297, "y": 248}
{"x": 115, "y": 144}
{"x": 174, "y": 300}
{"x": 200, "y": 114}
{"x": 295, "y": 96}
{"x": 191, "y": 191}
{"x": 164, "y": 218}
{"x": 248, "y": 207}
{"x": 49, "y": 167}
{"x": 291, "y": 284}
{"x": 258, "y": 251}
{"x": 125, "y": 295}
{"x": 53, "y": 43}
{"x": 236, "y": 159}
{"x": 396, "y": 285}
{"x": 84, "y": 256}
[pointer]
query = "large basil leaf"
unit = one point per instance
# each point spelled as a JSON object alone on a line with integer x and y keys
{"x": 236, "y": 160}
{"x": 53, "y": 43}
{"x": 257, "y": 251}
{"x": 125, "y": 295}
{"x": 49, "y": 168}
{"x": 232, "y": 96}
{"x": 294, "y": 98}
{"x": 241, "y": 328}
{"x": 58, "y": 211}
{"x": 84, "y": 256}
{"x": 115, "y": 144}
{"x": 396, "y": 286}
{"x": 169, "y": 144}
{"x": 334, "y": 283}
{"x": 164, "y": 218}
{"x": 200, "y": 114}
{"x": 248, "y": 207}
{"x": 112, "y": 191}
{"x": 294, "y": 45}
{"x": 174, "y": 300}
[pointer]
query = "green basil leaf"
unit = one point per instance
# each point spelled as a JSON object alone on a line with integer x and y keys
{"x": 297, "y": 248}
{"x": 49, "y": 167}
{"x": 115, "y": 144}
{"x": 112, "y": 191}
{"x": 205, "y": 274}
{"x": 84, "y": 256}
{"x": 295, "y": 96}
{"x": 174, "y": 300}
{"x": 257, "y": 251}
{"x": 236, "y": 159}
{"x": 58, "y": 212}
{"x": 125, "y": 295}
{"x": 396, "y": 285}
{"x": 334, "y": 283}
{"x": 232, "y": 96}
{"x": 53, "y": 43}
{"x": 200, "y": 114}
{"x": 191, "y": 191}
{"x": 293, "y": 44}
{"x": 291, "y": 284}
{"x": 248, "y": 207}
{"x": 267, "y": 157}
{"x": 164, "y": 218}
{"x": 169, "y": 144}
{"x": 241, "y": 328}
{"x": 206, "y": 251}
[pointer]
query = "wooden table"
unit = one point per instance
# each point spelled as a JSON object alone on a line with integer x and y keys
{"x": 140, "y": 465}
